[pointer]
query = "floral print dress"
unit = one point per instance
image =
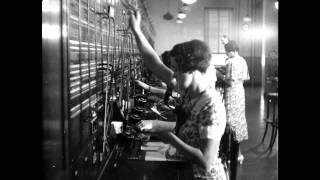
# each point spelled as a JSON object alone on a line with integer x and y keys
{"x": 206, "y": 119}
{"x": 237, "y": 72}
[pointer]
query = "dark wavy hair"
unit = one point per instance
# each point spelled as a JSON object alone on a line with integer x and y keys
{"x": 192, "y": 55}
{"x": 231, "y": 46}
{"x": 165, "y": 57}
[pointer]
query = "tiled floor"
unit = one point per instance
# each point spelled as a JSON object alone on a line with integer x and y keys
{"x": 257, "y": 165}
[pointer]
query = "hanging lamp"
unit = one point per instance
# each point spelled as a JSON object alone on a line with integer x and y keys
{"x": 247, "y": 18}
{"x": 168, "y": 16}
{"x": 189, "y": 1}
{"x": 178, "y": 20}
{"x": 181, "y": 15}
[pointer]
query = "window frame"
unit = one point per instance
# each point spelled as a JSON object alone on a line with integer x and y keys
{"x": 206, "y": 27}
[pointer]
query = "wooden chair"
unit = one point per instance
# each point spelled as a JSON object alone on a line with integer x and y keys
{"x": 271, "y": 118}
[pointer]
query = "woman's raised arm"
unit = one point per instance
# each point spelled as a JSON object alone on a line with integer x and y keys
{"x": 150, "y": 57}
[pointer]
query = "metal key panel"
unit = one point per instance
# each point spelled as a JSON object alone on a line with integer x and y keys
{"x": 99, "y": 62}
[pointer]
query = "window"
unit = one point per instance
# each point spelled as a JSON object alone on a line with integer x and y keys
{"x": 217, "y": 23}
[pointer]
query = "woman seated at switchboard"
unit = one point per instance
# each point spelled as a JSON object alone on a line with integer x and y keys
{"x": 163, "y": 92}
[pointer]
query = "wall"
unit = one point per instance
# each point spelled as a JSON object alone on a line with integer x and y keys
{"x": 168, "y": 33}
{"x": 271, "y": 41}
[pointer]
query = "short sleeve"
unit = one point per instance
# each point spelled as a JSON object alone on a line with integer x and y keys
{"x": 212, "y": 125}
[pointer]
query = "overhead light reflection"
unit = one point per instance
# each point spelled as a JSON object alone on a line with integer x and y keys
{"x": 50, "y": 31}
{"x": 256, "y": 33}
{"x": 64, "y": 31}
{"x": 245, "y": 27}
{"x": 50, "y": 7}
{"x": 247, "y": 19}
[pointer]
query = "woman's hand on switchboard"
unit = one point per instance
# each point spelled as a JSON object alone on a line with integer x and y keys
{"x": 135, "y": 20}
{"x": 142, "y": 84}
{"x": 147, "y": 125}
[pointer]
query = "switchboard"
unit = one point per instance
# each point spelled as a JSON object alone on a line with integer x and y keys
{"x": 99, "y": 62}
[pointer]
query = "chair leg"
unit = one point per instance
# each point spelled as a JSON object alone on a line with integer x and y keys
{"x": 273, "y": 138}
{"x": 274, "y": 128}
{"x": 265, "y": 132}
{"x": 267, "y": 117}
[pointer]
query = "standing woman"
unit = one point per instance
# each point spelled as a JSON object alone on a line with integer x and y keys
{"x": 198, "y": 136}
{"x": 236, "y": 74}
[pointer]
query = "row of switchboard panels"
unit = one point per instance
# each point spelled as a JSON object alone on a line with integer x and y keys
{"x": 95, "y": 65}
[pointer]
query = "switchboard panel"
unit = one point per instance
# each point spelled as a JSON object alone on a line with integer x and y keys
{"x": 99, "y": 62}
{"x": 102, "y": 60}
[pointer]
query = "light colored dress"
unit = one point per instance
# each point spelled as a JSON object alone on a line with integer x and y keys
{"x": 237, "y": 71}
{"x": 207, "y": 119}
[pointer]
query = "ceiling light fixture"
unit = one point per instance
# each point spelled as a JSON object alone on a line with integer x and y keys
{"x": 178, "y": 20}
{"x": 168, "y": 16}
{"x": 247, "y": 18}
{"x": 189, "y": 1}
{"x": 185, "y": 8}
{"x": 181, "y": 15}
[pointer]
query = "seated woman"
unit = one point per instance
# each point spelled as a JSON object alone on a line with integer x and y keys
{"x": 202, "y": 115}
{"x": 163, "y": 91}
